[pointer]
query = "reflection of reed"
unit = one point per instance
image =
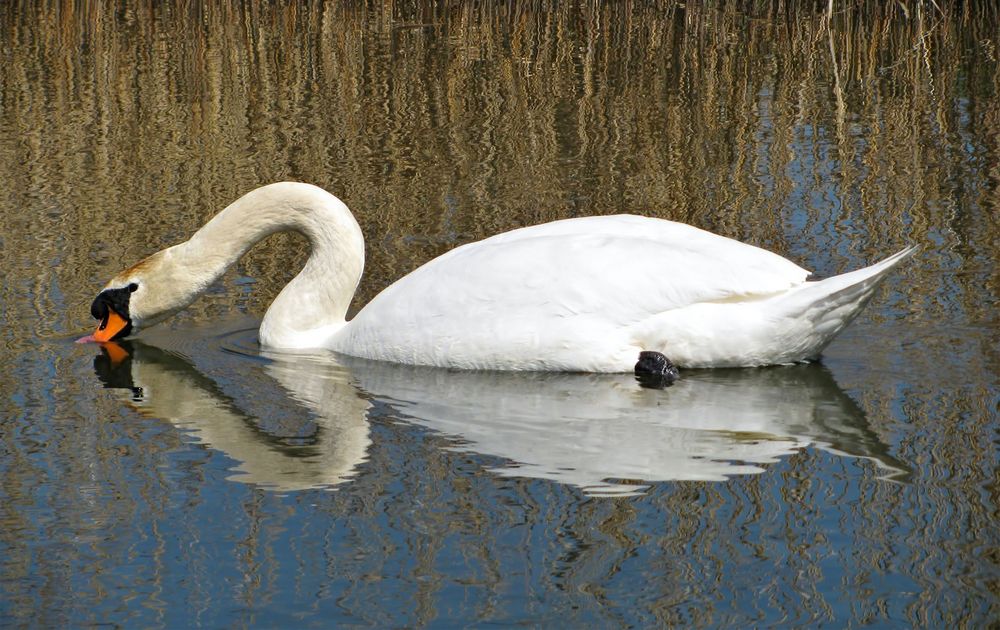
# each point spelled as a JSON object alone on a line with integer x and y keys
{"x": 124, "y": 130}
{"x": 450, "y": 124}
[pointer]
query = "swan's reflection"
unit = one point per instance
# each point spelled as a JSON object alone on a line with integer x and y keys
{"x": 316, "y": 440}
{"x": 589, "y": 430}
{"x": 602, "y": 433}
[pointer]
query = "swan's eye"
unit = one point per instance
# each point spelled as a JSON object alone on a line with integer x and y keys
{"x": 133, "y": 287}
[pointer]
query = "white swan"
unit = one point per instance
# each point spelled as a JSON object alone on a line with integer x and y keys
{"x": 584, "y": 294}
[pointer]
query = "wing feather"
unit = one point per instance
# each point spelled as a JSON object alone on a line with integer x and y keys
{"x": 551, "y": 286}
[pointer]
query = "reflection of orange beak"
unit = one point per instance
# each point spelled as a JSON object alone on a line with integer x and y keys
{"x": 110, "y": 326}
{"x": 116, "y": 354}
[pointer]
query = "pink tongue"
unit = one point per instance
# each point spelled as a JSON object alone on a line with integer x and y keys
{"x": 87, "y": 339}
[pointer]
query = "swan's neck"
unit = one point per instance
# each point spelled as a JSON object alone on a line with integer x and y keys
{"x": 313, "y": 306}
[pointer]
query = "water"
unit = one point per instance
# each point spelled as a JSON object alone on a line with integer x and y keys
{"x": 191, "y": 479}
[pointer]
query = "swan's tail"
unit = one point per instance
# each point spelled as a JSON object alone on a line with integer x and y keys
{"x": 832, "y": 303}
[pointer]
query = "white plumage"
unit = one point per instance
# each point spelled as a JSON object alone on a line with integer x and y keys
{"x": 582, "y": 294}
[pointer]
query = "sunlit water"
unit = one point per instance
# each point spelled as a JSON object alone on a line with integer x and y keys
{"x": 189, "y": 478}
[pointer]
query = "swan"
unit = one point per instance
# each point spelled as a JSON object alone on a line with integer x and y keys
{"x": 578, "y": 295}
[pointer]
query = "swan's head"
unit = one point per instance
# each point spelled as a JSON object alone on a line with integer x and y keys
{"x": 142, "y": 296}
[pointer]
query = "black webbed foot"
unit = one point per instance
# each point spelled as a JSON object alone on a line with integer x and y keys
{"x": 654, "y": 370}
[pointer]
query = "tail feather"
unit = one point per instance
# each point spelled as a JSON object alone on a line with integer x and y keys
{"x": 832, "y": 303}
{"x": 861, "y": 279}
{"x": 792, "y": 326}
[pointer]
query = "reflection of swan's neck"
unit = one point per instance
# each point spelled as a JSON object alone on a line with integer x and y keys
{"x": 314, "y": 304}
{"x": 164, "y": 385}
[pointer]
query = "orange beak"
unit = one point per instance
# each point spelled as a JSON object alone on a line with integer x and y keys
{"x": 110, "y": 326}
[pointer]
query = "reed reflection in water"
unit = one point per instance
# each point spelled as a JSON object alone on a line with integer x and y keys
{"x": 861, "y": 491}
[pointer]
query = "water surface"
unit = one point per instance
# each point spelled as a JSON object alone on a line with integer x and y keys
{"x": 188, "y": 478}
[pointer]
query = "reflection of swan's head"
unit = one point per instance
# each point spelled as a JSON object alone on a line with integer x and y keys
{"x": 317, "y": 438}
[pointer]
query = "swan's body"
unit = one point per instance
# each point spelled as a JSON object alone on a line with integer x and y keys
{"x": 583, "y": 294}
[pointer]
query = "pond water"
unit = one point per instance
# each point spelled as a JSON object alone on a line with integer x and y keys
{"x": 187, "y": 477}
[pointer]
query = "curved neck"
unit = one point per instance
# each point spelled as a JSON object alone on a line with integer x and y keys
{"x": 314, "y": 304}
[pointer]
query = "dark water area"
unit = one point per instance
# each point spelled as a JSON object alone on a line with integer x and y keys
{"x": 189, "y": 478}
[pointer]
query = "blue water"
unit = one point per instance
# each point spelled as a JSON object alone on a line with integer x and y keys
{"x": 814, "y": 514}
